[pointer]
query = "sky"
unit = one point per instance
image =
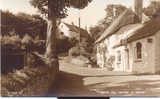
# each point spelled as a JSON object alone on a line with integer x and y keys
{"x": 90, "y": 15}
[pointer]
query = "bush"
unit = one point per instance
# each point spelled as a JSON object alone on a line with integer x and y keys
{"x": 23, "y": 23}
{"x": 74, "y": 52}
{"x": 30, "y": 60}
{"x": 39, "y": 46}
{"x": 27, "y": 40}
{"x": 65, "y": 44}
{"x": 11, "y": 41}
{"x": 110, "y": 62}
{"x": 14, "y": 44}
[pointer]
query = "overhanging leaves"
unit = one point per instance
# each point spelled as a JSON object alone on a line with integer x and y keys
{"x": 59, "y": 7}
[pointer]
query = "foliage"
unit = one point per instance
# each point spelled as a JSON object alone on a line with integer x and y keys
{"x": 64, "y": 44}
{"x": 55, "y": 10}
{"x": 8, "y": 22}
{"x": 11, "y": 42}
{"x": 22, "y": 24}
{"x": 74, "y": 51}
{"x": 152, "y": 9}
{"x": 15, "y": 42}
{"x": 27, "y": 40}
{"x": 95, "y": 31}
{"x": 59, "y": 6}
{"x": 110, "y": 62}
{"x": 86, "y": 47}
{"x": 112, "y": 12}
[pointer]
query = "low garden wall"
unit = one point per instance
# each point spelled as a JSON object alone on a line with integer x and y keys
{"x": 30, "y": 81}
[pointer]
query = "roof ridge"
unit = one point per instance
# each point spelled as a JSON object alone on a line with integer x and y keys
{"x": 119, "y": 22}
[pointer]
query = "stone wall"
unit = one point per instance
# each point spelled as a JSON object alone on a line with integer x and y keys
{"x": 30, "y": 81}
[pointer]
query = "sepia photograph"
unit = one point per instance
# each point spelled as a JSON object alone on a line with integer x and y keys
{"x": 80, "y": 48}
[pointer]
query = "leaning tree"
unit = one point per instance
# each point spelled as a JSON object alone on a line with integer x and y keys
{"x": 55, "y": 10}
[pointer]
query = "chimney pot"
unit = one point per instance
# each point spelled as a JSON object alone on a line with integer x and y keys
{"x": 138, "y": 8}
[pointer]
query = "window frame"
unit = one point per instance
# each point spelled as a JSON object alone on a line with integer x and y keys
{"x": 138, "y": 52}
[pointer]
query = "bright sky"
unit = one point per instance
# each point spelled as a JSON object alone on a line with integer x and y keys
{"x": 16, "y": 6}
{"x": 89, "y": 16}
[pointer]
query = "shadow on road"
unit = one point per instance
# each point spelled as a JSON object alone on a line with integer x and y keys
{"x": 69, "y": 85}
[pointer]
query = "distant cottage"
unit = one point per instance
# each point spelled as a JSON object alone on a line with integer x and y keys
{"x": 71, "y": 30}
{"x": 133, "y": 40}
{"x": 80, "y": 35}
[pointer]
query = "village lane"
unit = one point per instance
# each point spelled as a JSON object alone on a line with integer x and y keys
{"x": 77, "y": 80}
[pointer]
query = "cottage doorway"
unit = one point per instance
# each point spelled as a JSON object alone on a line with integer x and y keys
{"x": 127, "y": 66}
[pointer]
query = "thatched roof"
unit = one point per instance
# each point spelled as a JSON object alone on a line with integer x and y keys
{"x": 127, "y": 30}
{"x": 149, "y": 29}
{"x": 76, "y": 29}
{"x": 143, "y": 30}
{"x": 127, "y": 17}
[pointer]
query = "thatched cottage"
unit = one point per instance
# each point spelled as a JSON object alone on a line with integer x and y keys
{"x": 128, "y": 39}
{"x": 73, "y": 31}
{"x": 143, "y": 48}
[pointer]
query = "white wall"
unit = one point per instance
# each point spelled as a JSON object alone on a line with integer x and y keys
{"x": 119, "y": 66}
{"x": 157, "y": 50}
{"x": 110, "y": 42}
{"x": 147, "y": 63}
{"x": 63, "y": 28}
{"x": 100, "y": 56}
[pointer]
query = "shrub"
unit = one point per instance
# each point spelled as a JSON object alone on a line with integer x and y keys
{"x": 27, "y": 40}
{"x": 74, "y": 51}
{"x": 110, "y": 62}
{"x": 39, "y": 46}
{"x": 11, "y": 41}
{"x": 65, "y": 44}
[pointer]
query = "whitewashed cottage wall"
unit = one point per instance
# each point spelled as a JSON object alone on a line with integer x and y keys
{"x": 101, "y": 54}
{"x": 121, "y": 59}
{"x": 112, "y": 41}
{"x": 109, "y": 43}
{"x": 157, "y": 50}
{"x": 147, "y": 63}
{"x": 63, "y": 28}
{"x": 125, "y": 32}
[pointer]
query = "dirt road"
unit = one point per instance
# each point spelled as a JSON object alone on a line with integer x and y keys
{"x": 77, "y": 80}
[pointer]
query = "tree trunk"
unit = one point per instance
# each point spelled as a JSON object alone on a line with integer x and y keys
{"x": 51, "y": 39}
{"x": 50, "y": 53}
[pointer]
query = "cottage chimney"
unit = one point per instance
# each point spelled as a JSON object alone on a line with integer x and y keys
{"x": 138, "y": 8}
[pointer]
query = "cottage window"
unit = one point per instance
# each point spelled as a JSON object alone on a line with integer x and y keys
{"x": 139, "y": 50}
{"x": 150, "y": 40}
